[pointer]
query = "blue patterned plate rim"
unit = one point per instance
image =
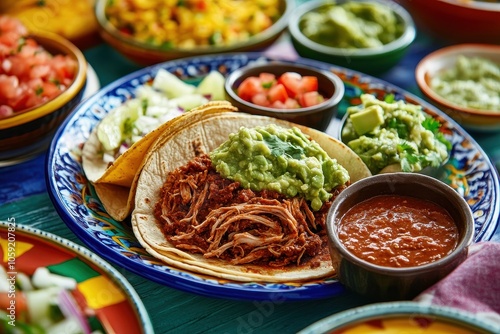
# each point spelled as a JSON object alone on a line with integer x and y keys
{"x": 98, "y": 261}
{"x": 66, "y": 182}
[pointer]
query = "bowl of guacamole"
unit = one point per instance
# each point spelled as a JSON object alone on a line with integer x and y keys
{"x": 370, "y": 36}
{"x": 463, "y": 80}
{"x": 393, "y": 135}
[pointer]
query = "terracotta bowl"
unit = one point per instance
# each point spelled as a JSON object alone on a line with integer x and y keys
{"x": 318, "y": 116}
{"x": 144, "y": 54}
{"x": 383, "y": 283}
{"x": 457, "y": 21}
{"x": 30, "y": 131}
{"x": 442, "y": 59}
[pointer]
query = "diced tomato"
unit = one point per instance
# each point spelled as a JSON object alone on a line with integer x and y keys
{"x": 277, "y": 93}
{"x": 267, "y": 79}
{"x": 278, "y": 105}
{"x": 249, "y": 87}
{"x": 291, "y": 81}
{"x": 260, "y": 99}
{"x": 19, "y": 300}
{"x": 291, "y": 103}
{"x": 289, "y": 91}
{"x": 310, "y": 99}
{"x": 30, "y": 75}
{"x": 308, "y": 84}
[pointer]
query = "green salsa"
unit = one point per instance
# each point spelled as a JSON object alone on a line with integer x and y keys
{"x": 279, "y": 159}
{"x": 472, "y": 82}
{"x": 352, "y": 25}
{"x": 404, "y": 136}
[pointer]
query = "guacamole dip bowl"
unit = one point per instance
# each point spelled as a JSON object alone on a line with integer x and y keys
{"x": 456, "y": 80}
{"x": 388, "y": 271}
{"x": 394, "y": 135}
{"x": 320, "y": 30}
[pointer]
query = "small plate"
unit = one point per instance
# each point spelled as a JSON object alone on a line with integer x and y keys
{"x": 469, "y": 171}
{"x": 100, "y": 287}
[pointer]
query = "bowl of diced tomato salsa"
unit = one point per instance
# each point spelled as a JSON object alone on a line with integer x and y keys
{"x": 42, "y": 77}
{"x": 297, "y": 93}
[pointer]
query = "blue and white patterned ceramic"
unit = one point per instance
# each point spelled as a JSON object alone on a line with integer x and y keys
{"x": 469, "y": 171}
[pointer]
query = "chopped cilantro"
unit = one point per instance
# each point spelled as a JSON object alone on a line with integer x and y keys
{"x": 279, "y": 147}
{"x": 39, "y": 90}
{"x": 431, "y": 124}
{"x": 21, "y": 43}
{"x": 128, "y": 127}
{"x": 400, "y": 127}
{"x": 434, "y": 125}
{"x": 408, "y": 156}
{"x": 389, "y": 98}
{"x": 144, "y": 105}
{"x": 267, "y": 84}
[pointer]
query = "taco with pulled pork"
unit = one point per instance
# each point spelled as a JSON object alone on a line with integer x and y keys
{"x": 243, "y": 197}
{"x": 115, "y": 181}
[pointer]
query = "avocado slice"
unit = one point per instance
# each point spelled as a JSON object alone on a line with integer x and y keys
{"x": 367, "y": 119}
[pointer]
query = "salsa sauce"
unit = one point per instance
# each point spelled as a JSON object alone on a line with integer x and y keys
{"x": 398, "y": 231}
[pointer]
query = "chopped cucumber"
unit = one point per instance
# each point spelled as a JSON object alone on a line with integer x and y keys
{"x": 188, "y": 102}
{"x": 171, "y": 85}
{"x": 40, "y": 303}
{"x": 212, "y": 85}
{"x": 110, "y": 129}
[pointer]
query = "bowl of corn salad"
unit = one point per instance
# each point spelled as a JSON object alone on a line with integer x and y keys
{"x": 153, "y": 31}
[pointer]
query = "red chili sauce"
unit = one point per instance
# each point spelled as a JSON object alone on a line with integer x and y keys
{"x": 398, "y": 231}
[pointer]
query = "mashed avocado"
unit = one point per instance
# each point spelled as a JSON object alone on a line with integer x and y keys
{"x": 283, "y": 160}
{"x": 406, "y": 136}
{"x": 352, "y": 25}
{"x": 472, "y": 82}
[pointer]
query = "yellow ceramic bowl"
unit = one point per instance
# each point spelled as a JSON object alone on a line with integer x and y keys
{"x": 147, "y": 54}
{"x": 445, "y": 58}
{"x": 31, "y": 130}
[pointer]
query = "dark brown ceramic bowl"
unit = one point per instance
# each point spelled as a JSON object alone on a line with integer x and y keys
{"x": 318, "y": 116}
{"x": 383, "y": 283}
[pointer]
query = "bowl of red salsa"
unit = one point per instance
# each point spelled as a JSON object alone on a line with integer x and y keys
{"x": 391, "y": 236}
{"x": 42, "y": 78}
{"x": 296, "y": 93}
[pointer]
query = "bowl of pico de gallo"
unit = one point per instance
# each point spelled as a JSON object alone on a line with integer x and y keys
{"x": 42, "y": 77}
{"x": 297, "y": 93}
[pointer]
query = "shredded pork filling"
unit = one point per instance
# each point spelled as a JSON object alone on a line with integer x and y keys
{"x": 201, "y": 212}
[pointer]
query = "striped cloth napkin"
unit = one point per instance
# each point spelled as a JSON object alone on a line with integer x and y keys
{"x": 474, "y": 286}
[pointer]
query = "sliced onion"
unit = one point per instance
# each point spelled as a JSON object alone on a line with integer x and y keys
{"x": 70, "y": 309}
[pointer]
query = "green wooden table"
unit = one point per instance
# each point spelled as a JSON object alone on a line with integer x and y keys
{"x": 23, "y": 196}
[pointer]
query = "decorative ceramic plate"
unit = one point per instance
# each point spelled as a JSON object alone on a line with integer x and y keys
{"x": 100, "y": 288}
{"x": 469, "y": 171}
{"x": 402, "y": 317}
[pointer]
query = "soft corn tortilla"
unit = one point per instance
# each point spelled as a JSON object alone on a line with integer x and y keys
{"x": 205, "y": 135}
{"x": 115, "y": 184}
